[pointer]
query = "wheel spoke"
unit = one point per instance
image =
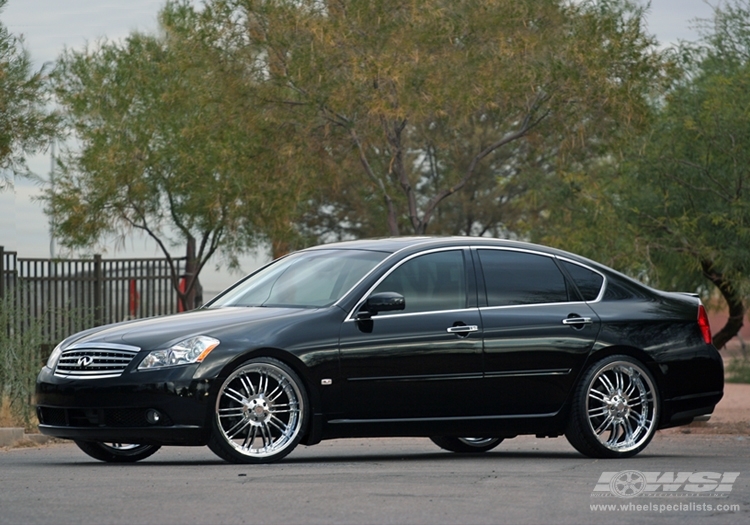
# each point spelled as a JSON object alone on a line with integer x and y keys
{"x": 615, "y": 435}
{"x": 600, "y": 396}
{"x": 236, "y": 429}
{"x": 231, "y": 412}
{"x": 273, "y": 396}
{"x": 597, "y": 411}
{"x": 235, "y": 396}
{"x": 607, "y": 384}
{"x": 632, "y": 387}
{"x": 266, "y": 433}
{"x": 263, "y": 383}
{"x": 605, "y": 424}
{"x": 249, "y": 438}
{"x": 629, "y": 434}
{"x": 282, "y": 428}
{"x": 285, "y": 411}
{"x": 247, "y": 385}
{"x": 619, "y": 380}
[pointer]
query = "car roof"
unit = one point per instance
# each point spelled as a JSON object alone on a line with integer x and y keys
{"x": 412, "y": 244}
{"x": 395, "y": 244}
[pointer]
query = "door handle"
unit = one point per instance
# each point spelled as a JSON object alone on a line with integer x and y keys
{"x": 464, "y": 329}
{"x": 577, "y": 321}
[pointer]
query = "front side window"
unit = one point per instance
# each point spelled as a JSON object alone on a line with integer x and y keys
{"x": 305, "y": 279}
{"x": 517, "y": 278}
{"x": 431, "y": 282}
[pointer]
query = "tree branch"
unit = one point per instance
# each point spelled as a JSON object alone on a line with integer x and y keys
{"x": 527, "y": 125}
{"x": 392, "y": 218}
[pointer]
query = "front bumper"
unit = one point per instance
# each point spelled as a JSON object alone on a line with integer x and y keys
{"x": 118, "y": 409}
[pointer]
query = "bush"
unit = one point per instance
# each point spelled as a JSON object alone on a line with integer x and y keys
{"x": 738, "y": 369}
{"x": 22, "y": 354}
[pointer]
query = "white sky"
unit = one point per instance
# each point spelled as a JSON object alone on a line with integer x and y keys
{"x": 49, "y": 26}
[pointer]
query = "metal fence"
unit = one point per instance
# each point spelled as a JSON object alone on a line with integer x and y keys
{"x": 68, "y": 295}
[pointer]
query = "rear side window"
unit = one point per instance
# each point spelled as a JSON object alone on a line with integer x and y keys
{"x": 513, "y": 278}
{"x": 620, "y": 290}
{"x": 589, "y": 282}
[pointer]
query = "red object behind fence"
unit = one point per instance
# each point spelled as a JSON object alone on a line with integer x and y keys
{"x": 180, "y": 303}
{"x": 134, "y": 299}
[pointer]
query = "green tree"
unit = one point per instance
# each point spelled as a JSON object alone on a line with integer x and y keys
{"x": 26, "y": 126}
{"x": 168, "y": 142}
{"x": 406, "y": 104}
{"x": 675, "y": 210}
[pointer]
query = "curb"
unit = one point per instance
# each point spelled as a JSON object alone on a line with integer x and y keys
{"x": 13, "y": 436}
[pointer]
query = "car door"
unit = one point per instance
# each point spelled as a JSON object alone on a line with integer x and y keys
{"x": 537, "y": 332}
{"x": 422, "y": 361}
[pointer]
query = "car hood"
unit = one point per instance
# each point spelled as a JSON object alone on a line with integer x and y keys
{"x": 164, "y": 331}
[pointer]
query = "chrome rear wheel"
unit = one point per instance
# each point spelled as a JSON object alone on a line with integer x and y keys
{"x": 472, "y": 445}
{"x": 615, "y": 410}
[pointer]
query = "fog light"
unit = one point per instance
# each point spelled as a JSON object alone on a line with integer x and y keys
{"x": 153, "y": 416}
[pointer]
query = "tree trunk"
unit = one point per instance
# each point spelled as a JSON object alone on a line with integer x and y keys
{"x": 191, "y": 287}
{"x": 734, "y": 302}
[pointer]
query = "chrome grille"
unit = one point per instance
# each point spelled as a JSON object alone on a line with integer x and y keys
{"x": 95, "y": 360}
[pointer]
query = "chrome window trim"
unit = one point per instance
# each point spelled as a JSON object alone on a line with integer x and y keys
{"x": 412, "y": 314}
{"x": 352, "y": 313}
{"x": 505, "y": 306}
{"x": 352, "y": 317}
{"x": 511, "y": 249}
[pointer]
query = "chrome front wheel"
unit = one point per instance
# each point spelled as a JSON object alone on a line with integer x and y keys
{"x": 260, "y": 413}
{"x": 615, "y": 409}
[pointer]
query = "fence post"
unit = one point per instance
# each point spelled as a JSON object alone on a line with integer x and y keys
{"x": 98, "y": 287}
{"x": 2, "y": 272}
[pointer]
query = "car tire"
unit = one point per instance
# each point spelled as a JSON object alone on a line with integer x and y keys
{"x": 117, "y": 452}
{"x": 470, "y": 445}
{"x": 260, "y": 414}
{"x": 615, "y": 409}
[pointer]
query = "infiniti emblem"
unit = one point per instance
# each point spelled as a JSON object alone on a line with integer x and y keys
{"x": 85, "y": 361}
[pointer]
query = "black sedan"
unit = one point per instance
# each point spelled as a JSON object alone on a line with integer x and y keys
{"x": 467, "y": 341}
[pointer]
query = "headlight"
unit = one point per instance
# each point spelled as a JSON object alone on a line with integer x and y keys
{"x": 54, "y": 357}
{"x": 193, "y": 350}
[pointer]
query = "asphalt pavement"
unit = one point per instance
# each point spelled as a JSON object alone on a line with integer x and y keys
{"x": 679, "y": 478}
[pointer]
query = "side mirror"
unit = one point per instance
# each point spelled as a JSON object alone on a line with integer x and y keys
{"x": 384, "y": 302}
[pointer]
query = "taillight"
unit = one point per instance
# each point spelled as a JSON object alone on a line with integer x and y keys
{"x": 703, "y": 323}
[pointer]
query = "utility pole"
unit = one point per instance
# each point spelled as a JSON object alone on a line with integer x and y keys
{"x": 52, "y": 184}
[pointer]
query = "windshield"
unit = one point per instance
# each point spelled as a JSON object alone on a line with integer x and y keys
{"x": 305, "y": 279}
